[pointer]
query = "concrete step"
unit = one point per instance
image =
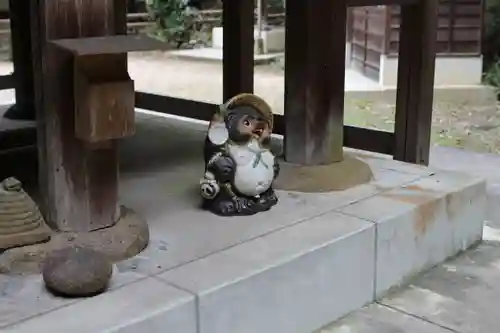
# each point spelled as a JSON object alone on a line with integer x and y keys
{"x": 215, "y": 55}
{"x": 312, "y": 259}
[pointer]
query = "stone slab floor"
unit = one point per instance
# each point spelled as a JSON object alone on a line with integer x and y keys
{"x": 461, "y": 295}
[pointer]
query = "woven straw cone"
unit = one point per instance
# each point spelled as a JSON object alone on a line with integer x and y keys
{"x": 21, "y": 222}
{"x": 255, "y": 102}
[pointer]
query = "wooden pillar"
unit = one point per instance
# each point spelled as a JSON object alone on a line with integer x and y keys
{"x": 20, "y": 27}
{"x": 417, "y": 51}
{"x": 131, "y": 6}
{"x": 264, "y": 12}
{"x": 80, "y": 179}
{"x": 314, "y": 81}
{"x": 238, "y": 47}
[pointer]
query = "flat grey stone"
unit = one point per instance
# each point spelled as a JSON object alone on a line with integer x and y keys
{"x": 144, "y": 306}
{"x": 380, "y": 319}
{"x": 463, "y": 294}
{"x": 24, "y": 297}
{"x": 480, "y": 164}
{"x": 423, "y": 223}
{"x": 294, "y": 280}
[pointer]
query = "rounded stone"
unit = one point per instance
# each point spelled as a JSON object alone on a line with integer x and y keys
{"x": 77, "y": 272}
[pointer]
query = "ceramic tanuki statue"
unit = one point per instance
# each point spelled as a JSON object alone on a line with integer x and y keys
{"x": 239, "y": 166}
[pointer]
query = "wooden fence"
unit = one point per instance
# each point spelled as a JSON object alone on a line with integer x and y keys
{"x": 374, "y": 31}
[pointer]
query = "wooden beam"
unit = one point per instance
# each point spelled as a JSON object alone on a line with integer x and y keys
{"x": 20, "y": 27}
{"x": 175, "y": 106}
{"x": 17, "y": 138}
{"x": 80, "y": 178}
{"x": 354, "y": 137}
{"x": 238, "y": 47}
{"x": 7, "y": 82}
{"x": 314, "y": 81}
{"x": 417, "y": 52}
{"x": 369, "y": 139}
{"x": 37, "y": 44}
{"x": 109, "y": 44}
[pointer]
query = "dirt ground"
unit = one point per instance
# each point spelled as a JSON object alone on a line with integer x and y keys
{"x": 475, "y": 128}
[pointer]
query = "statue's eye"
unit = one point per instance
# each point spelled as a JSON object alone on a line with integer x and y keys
{"x": 246, "y": 122}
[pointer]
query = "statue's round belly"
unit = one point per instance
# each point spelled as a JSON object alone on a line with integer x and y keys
{"x": 252, "y": 181}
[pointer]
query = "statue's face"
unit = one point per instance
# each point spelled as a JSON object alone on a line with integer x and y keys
{"x": 245, "y": 124}
{"x": 256, "y": 128}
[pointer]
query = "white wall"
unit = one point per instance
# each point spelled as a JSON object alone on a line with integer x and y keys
{"x": 450, "y": 71}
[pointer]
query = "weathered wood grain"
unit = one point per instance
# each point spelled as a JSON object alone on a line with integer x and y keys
{"x": 238, "y": 52}
{"x": 20, "y": 26}
{"x": 80, "y": 178}
{"x": 314, "y": 81}
{"x": 417, "y": 52}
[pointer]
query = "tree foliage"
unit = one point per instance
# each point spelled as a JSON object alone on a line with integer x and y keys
{"x": 491, "y": 44}
{"x": 176, "y": 21}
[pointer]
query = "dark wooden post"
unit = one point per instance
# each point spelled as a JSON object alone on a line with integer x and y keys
{"x": 81, "y": 182}
{"x": 131, "y": 6}
{"x": 264, "y": 12}
{"x": 238, "y": 47}
{"x": 417, "y": 51}
{"x": 20, "y": 27}
{"x": 314, "y": 81}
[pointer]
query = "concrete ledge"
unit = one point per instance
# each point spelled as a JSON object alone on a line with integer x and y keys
{"x": 293, "y": 280}
{"x": 422, "y": 223}
{"x": 214, "y": 54}
{"x": 144, "y": 306}
{"x": 311, "y": 260}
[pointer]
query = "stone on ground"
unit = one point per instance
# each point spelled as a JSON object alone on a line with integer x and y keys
{"x": 77, "y": 272}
